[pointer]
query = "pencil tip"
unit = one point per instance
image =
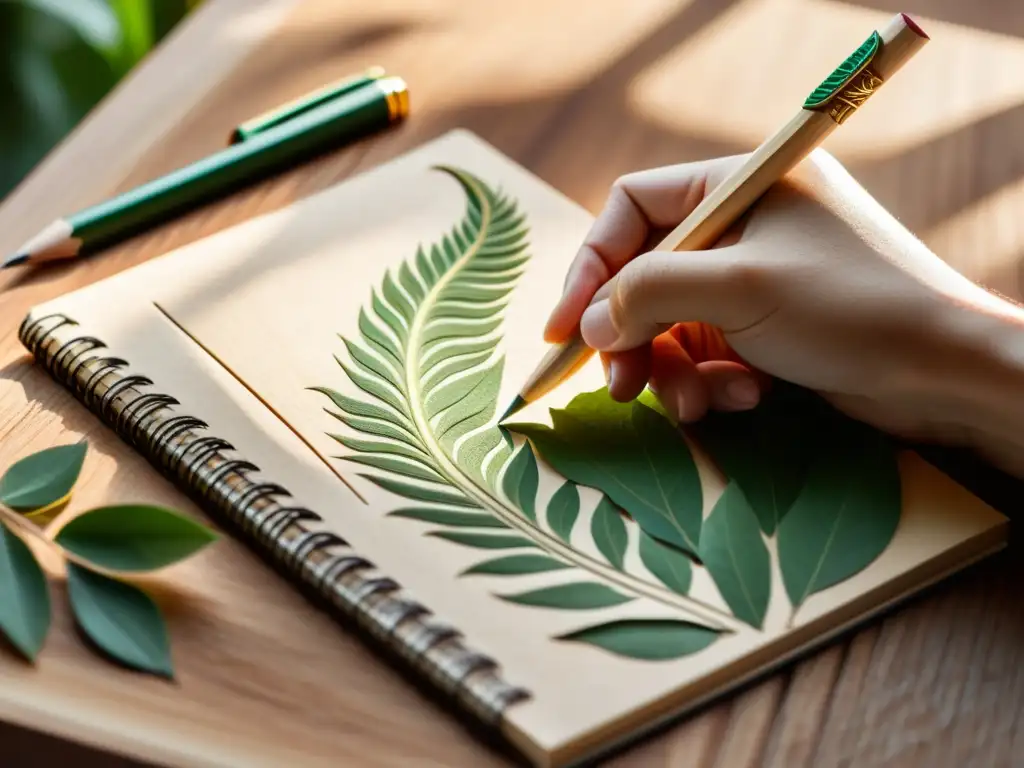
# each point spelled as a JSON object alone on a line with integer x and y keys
{"x": 517, "y": 405}
{"x": 15, "y": 260}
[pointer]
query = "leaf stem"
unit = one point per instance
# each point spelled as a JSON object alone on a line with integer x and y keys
{"x": 719, "y": 620}
{"x": 20, "y": 523}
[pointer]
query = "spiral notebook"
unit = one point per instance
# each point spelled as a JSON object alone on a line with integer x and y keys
{"x": 324, "y": 380}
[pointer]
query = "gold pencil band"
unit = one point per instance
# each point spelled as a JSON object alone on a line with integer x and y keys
{"x": 396, "y": 92}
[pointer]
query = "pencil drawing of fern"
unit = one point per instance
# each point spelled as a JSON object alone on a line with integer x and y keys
{"x": 428, "y": 369}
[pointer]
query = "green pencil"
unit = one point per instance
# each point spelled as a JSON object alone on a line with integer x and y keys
{"x": 352, "y": 115}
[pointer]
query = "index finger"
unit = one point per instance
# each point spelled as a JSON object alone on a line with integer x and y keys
{"x": 638, "y": 202}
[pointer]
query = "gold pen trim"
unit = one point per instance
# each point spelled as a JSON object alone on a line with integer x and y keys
{"x": 396, "y": 92}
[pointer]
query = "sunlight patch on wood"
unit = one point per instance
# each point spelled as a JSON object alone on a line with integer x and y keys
{"x": 744, "y": 75}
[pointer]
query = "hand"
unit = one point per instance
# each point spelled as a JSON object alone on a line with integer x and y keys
{"x": 819, "y": 285}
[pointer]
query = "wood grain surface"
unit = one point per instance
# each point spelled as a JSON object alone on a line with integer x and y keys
{"x": 579, "y": 92}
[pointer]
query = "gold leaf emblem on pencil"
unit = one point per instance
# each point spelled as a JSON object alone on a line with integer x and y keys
{"x": 853, "y": 95}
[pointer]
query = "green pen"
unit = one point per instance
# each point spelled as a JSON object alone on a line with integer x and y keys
{"x": 292, "y": 109}
{"x": 338, "y": 114}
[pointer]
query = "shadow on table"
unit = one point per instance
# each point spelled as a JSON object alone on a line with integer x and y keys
{"x": 30, "y": 749}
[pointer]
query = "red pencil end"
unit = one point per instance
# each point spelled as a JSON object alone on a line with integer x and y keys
{"x": 914, "y": 26}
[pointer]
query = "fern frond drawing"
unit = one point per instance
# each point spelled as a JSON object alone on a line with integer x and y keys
{"x": 428, "y": 368}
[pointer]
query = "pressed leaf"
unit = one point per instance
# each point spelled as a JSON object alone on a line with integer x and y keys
{"x": 453, "y": 348}
{"x": 379, "y": 446}
{"x": 632, "y": 454}
{"x": 766, "y": 450}
{"x": 447, "y": 367}
{"x": 133, "y": 537}
{"x": 521, "y": 482}
{"x": 24, "y": 597}
{"x": 669, "y": 565}
{"x": 735, "y": 555}
{"x": 449, "y": 517}
{"x": 355, "y": 407}
{"x": 577, "y": 596}
{"x": 378, "y": 339}
{"x": 474, "y": 410}
{"x": 42, "y": 478}
{"x": 563, "y": 509}
{"x": 422, "y": 493}
{"x": 453, "y": 392}
{"x": 608, "y": 530}
{"x": 484, "y": 540}
{"x": 414, "y": 469}
{"x": 375, "y": 386}
{"x": 486, "y": 452}
{"x": 122, "y": 620}
{"x": 394, "y": 321}
{"x": 378, "y": 428}
{"x": 397, "y": 299}
{"x": 845, "y": 515}
{"x": 516, "y": 565}
{"x": 372, "y": 365}
{"x": 647, "y": 639}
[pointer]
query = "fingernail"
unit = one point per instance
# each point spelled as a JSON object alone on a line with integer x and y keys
{"x": 596, "y": 326}
{"x": 743, "y": 392}
{"x": 610, "y": 375}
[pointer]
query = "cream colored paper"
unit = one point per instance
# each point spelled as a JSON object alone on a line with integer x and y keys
{"x": 270, "y": 298}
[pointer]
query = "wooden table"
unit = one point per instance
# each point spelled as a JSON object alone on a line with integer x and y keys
{"x": 579, "y": 91}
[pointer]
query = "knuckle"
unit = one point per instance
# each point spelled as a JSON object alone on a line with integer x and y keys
{"x": 632, "y": 284}
{"x": 749, "y": 278}
{"x": 622, "y": 183}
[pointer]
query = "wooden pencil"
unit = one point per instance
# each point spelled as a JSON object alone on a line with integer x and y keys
{"x": 828, "y": 107}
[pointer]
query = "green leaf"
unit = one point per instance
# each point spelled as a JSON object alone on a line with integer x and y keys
{"x": 647, "y": 639}
{"x": 450, "y": 517}
{"x": 632, "y": 454}
{"x": 379, "y": 446}
{"x": 53, "y": 70}
{"x": 766, "y": 450}
{"x": 485, "y": 453}
{"x": 484, "y": 540}
{"x": 516, "y": 565}
{"x": 521, "y": 482}
{"x": 609, "y": 532}
{"x": 669, "y": 565}
{"x": 422, "y": 493}
{"x": 577, "y": 596}
{"x": 414, "y": 470}
{"x": 475, "y": 410}
{"x": 453, "y": 365}
{"x": 135, "y": 19}
{"x": 43, "y": 478}
{"x": 648, "y": 398}
{"x": 355, "y": 407}
{"x": 846, "y": 514}
{"x": 92, "y": 20}
{"x": 133, "y": 537}
{"x": 563, "y": 509}
{"x": 24, "y": 598}
{"x": 122, "y": 620}
{"x": 735, "y": 555}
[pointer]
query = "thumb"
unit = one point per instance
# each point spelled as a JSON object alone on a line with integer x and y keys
{"x": 723, "y": 287}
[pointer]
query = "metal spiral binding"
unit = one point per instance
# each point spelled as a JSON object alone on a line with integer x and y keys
{"x": 199, "y": 464}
